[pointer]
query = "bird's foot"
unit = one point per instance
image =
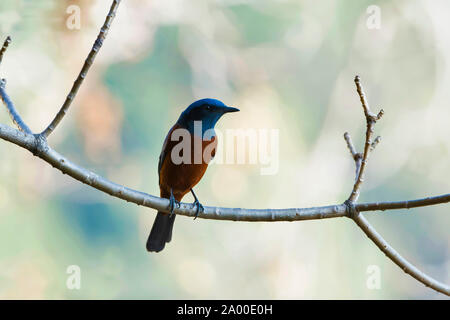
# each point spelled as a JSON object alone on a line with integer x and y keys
{"x": 172, "y": 204}
{"x": 199, "y": 206}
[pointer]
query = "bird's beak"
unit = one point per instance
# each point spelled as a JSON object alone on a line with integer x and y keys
{"x": 229, "y": 109}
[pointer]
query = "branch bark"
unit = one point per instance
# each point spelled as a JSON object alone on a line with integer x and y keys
{"x": 37, "y": 144}
{"x": 395, "y": 257}
{"x": 371, "y": 119}
{"x": 83, "y": 73}
{"x": 15, "y": 117}
{"x": 354, "y": 210}
{"x": 4, "y": 47}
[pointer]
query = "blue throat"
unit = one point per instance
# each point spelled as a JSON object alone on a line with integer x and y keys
{"x": 196, "y": 113}
{"x": 190, "y": 125}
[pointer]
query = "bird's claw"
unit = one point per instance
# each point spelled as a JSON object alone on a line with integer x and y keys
{"x": 172, "y": 204}
{"x": 199, "y": 206}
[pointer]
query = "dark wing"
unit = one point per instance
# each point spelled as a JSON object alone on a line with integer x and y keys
{"x": 163, "y": 153}
{"x": 165, "y": 148}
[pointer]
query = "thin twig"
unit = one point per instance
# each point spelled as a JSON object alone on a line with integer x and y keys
{"x": 37, "y": 144}
{"x": 355, "y": 209}
{"x": 403, "y": 204}
{"x": 371, "y": 119}
{"x": 5, "y": 46}
{"x": 15, "y": 117}
{"x": 83, "y": 73}
{"x": 395, "y": 257}
{"x": 39, "y": 147}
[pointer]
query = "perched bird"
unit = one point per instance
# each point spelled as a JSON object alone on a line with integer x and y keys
{"x": 177, "y": 178}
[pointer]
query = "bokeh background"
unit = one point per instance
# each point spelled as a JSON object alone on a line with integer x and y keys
{"x": 288, "y": 65}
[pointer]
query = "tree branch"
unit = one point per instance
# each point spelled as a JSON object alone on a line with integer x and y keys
{"x": 83, "y": 73}
{"x": 403, "y": 204}
{"x": 356, "y": 155}
{"x": 371, "y": 119}
{"x": 37, "y": 144}
{"x": 15, "y": 117}
{"x": 390, "y": 252}
{"x": 5, "y": 46}
{"x": 39, "y": 147}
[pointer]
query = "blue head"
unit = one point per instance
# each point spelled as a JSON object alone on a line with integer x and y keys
{"x": 208, "y": 111}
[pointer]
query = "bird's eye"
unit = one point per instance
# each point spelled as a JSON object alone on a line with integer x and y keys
{"x": 208, "y": 107}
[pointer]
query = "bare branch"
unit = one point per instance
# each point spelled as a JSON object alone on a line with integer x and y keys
{"x": 390, "y": 252}
{"x": 83, "y": 73}
{"x": 5, "y": 46}
{"x": 362, "y": 96}
{"x": 12, "y": 110}
{"x": 39, "y": 147}
{"x": 375, "y": 143}
{"x": 354, "y": 209}
{"x": 356, "y": 155}
{"x": 350, "y": 144}
{"x": 15, "y": 117}
{"x": 37, "y": 144}
{"x": 403, "y": 204}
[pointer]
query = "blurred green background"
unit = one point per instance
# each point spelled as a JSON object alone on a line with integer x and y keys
{"x": 288, "y": 65}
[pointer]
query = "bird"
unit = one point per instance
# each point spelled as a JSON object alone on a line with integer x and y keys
{"x": 177, "y": 178}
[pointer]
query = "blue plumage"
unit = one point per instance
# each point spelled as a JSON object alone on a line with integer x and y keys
{"x": 208, "y": 111}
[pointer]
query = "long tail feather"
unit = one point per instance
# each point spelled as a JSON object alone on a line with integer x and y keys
{"x": 161, "y": 232}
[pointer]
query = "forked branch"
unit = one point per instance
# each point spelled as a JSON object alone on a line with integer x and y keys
{"x": 354, "y": 210}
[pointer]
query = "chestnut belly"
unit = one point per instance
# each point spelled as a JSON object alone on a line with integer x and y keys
{"x": 182, "y": 177}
